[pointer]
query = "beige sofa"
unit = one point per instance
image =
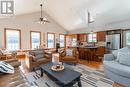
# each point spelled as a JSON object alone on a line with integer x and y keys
{"x": 37, "y": 58}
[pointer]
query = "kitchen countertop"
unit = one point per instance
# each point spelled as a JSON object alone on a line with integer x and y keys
{"x": 90, "y": 47}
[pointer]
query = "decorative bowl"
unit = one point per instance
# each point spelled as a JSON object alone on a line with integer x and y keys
{"x": 57, "y": 67}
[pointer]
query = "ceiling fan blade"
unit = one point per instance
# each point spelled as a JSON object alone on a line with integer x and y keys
{"x": 47, "y": 21}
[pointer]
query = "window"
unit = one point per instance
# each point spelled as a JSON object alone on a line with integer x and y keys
{"x": 12, "y": 39}
{"x": 127, "y": 38}
{"x": 62, "y": 40}
{"x": 35, "y": 39}
{"x": 92, "y": 37}
{"x": 50, "y": 40}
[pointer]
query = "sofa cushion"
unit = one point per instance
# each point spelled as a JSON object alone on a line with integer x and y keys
{"x": 42, "y": 60}
{"x": 124, "y": 58}
{"x": 68, "y": 58}
{"x": 15, "y": 64}
{"x": 115, "y": 53}
{"x": 117, "y": 68}
{"x": 38, "y": 54}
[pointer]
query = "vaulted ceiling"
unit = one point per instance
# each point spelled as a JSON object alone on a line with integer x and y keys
{"x": 72, "y": 14}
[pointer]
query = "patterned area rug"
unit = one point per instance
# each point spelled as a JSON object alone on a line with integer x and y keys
{"x": 90, "y": 78}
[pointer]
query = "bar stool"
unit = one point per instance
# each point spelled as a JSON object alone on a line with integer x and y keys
{"x": 87, "y": 55}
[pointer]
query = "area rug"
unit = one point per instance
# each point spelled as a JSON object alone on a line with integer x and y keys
{"x": 90, "y": 78}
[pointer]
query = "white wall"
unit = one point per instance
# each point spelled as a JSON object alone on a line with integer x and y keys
{"x": 26, "y": 23}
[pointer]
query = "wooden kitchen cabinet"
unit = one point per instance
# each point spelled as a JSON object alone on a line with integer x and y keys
{"x": 69, "y": 39}
{"x": 74, "y": 36}
{"x": 82, "y": 37}
{"x": 101, "y": 36}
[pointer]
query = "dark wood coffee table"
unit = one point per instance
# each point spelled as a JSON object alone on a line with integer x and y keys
{"x": 65, "y": 78}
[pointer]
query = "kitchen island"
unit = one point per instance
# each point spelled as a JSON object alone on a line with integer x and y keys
{"x": 90, "y": 53}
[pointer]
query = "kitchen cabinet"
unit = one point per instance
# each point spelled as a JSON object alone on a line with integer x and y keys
{"x": 101, "y": 36}
{"x": 82, "y": 37}
{"x": 71, "y": 40}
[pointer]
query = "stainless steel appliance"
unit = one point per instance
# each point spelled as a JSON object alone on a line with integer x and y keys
{"x": 113, "y": 42}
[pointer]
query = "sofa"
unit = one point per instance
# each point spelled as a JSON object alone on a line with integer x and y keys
{"x": 16, "y": 79}
{"x": 37, "y": 58}
{"x": 116, "y": 71}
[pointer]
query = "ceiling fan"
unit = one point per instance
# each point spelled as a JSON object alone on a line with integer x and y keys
{"x": 42, "y": 20}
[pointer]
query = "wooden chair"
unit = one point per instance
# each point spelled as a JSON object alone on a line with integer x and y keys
{"x": 71, "y": 59}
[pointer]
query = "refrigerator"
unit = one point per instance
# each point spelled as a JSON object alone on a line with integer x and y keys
{"x": 113, "y": 42}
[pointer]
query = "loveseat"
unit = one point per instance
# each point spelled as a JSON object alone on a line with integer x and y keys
{"x": 118, "y": 72}
{"x": 37, "y": 58}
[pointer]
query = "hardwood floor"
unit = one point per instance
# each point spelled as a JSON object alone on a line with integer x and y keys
{"x": 92, "y": 64}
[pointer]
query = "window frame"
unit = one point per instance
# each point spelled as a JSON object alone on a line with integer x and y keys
{"x": 5, "y": 43}
{"x": 64, "y": 40}
{"x": 47, "y": 39}
{"x": 31, "y": 37}
{"x": 92, "y": 37}
{"x": 125, "y": 39}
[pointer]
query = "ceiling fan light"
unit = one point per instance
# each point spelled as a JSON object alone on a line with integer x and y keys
{"x": 44, "y": 18}
{"x": 44, "y": 22}
{"x": 41, "y": 22}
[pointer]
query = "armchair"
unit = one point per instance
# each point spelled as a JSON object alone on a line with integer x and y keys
{"x": 37, "y": 58}
{"x": 63, "y": 57}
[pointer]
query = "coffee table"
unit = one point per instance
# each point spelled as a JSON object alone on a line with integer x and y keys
{"x": 65, "y": 78}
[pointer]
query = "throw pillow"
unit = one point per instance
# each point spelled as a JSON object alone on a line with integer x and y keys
{"x": 115, "y": 53}
{"x": 124, "y": 58}
{"x": 69, "y": 52}
{"x": 6, "y": 68}
{"x": 61, "y": 50}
